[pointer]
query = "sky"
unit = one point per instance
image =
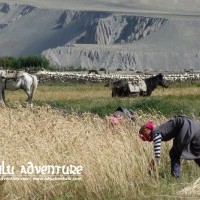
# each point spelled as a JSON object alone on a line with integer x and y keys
{"x": 183, "y": 7}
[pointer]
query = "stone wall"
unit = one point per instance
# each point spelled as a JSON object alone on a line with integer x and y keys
{"x": 45, "y": 77}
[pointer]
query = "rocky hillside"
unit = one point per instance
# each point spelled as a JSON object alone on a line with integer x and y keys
{"x": 97, "y": 39}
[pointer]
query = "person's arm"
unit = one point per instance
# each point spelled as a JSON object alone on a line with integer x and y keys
{"x": 157, "y": 138}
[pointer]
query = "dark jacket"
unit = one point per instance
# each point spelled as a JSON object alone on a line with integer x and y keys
{"x": 185, "y": 133}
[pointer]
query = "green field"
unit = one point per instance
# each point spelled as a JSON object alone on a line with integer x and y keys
{"x": 95, "y": 98}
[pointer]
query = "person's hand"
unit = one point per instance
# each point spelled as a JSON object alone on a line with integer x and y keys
{"x": 152, "y": 166}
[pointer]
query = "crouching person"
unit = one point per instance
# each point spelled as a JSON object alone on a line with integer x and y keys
{"x": 120, "y": 115}
{"x": 185, "y": 133}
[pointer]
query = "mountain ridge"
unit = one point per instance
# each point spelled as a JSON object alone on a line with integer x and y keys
{"x": 100, "y": 39}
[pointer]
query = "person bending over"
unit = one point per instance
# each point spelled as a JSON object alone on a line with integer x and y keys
{"x": 185, "y": 133}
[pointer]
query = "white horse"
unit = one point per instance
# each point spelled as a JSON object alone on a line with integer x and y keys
{"x": 16, "y": 81}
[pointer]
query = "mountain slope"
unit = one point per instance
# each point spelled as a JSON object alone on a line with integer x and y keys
{"x": 93, "y": 39}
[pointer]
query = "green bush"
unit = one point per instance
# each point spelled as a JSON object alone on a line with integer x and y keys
{"x": 31, "y": 62}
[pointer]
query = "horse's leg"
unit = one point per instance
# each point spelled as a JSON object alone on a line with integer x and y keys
{"x": 2, "y": 92}
{"x": 29, "y": 98}
{"x": 29, "y": 95}
{"x": 134, "y": 94}
{"x": 30, "y": 89}
{"x": 3, "y": 95}
{"x": 33, "y": 88}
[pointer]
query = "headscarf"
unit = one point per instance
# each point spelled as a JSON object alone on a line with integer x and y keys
{"x": 149, "y": 125}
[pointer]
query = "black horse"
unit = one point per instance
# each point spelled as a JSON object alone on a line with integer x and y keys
{"x": 121, "y": 88}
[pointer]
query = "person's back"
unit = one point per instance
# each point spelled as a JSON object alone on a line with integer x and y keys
{"x": 185, "y": 133}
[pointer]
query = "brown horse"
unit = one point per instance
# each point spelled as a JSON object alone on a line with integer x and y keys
{"x": 121, "y": 88}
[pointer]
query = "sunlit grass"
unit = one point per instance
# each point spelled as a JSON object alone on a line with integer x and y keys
{"x": 45, "y": 92}
{"x": 77, "y": 91}
{"x": 115, "y": 161}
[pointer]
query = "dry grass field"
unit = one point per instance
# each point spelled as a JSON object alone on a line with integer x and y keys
{"x": 114, "y": 160}
{"x": 58, "y": 92}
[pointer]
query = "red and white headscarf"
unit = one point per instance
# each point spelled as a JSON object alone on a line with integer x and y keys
{"x": 143, "y": 136}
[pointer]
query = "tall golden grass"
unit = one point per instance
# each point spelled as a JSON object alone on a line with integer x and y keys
{"x": 114, "y": 160}
{"x": 191, "y": 189}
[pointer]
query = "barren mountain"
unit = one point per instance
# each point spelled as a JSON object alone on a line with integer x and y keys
{"x": 100, "y": 39}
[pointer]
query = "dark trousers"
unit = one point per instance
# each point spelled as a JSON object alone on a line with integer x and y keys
{"x": 197, "y": 161}
{"x": 175, "y": 162}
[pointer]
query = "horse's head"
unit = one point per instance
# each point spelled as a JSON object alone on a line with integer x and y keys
{"x": 161, "y": 81}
